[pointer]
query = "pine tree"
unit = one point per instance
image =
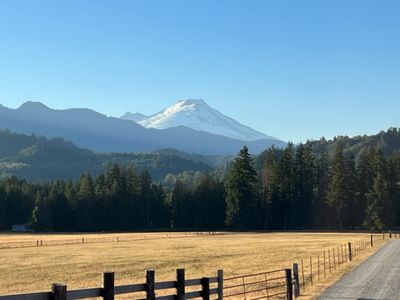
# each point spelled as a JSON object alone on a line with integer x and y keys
{"x": 282, "y": 203}
{"x": 379, "y": 212}
{"x": 3, "y": 215}
{"x": 304, "y": 186}
{"x": 320, "y": 210}
{"x": 268, "y": 177}
{"x": 353, "y": 207}
{"x": 209, "y": 198}
{"x": 146, "y": 197}
{"x": 242, "y": 194}
{"x": 337, "y": 191}
{"x": 181, "y": 206}
{"x": 376, "y": 199}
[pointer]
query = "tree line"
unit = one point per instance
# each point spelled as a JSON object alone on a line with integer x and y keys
{"x": 291, "y": 188}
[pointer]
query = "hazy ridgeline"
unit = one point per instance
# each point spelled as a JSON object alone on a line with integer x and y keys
{"x": 300, "y": 187}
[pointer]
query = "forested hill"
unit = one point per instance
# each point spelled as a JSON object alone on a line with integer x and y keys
{"x": 386, "y": 141}
{"x": 38, "y": 159}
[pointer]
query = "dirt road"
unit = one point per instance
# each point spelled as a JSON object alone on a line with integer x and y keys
{"x": 376, "y": 278}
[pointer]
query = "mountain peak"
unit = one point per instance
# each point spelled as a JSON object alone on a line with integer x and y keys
{"x": 192, "y": 101}
{"x": 198, "y": 115}
{"x": 33, "y": 105}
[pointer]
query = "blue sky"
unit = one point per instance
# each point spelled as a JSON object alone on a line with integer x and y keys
{"x": 293, "y": 69}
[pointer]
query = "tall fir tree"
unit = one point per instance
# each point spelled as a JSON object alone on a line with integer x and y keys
{"x": 337, "y": 196}
{"x": 242, "y": 193}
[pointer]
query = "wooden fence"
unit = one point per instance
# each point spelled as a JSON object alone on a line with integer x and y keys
{"x": 204, "y": 288}
{"x": 266, "y": 285}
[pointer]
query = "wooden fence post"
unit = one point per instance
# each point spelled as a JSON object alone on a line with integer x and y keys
{"x": 334, "y": 259}
{"x": 220, "y": 284}
{"x": 289, "y": 285}
{"x": 372, "y": 240}
{"x": 302, "y": 275}
{"x": 59, "y": 291}
{"x": 329, "y": 261}
{"x": 180, "y": 284}
{"x": 350, "y": 254}
{"x": 108, "y": 286}
{"x": 205, "y": 291}
{"x": 390, "y": 234}
{"x": 311, "y": 274}
{"x": 150, "y": 279}
{"x": 296, "y": 280}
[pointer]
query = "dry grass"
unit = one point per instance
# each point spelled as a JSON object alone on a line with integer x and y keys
{"x": 81, "y": 265}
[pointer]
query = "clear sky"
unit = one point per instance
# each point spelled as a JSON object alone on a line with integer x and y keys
{"x": 292, "y": 69}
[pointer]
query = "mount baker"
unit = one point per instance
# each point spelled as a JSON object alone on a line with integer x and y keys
{"x": 191, "y": 126}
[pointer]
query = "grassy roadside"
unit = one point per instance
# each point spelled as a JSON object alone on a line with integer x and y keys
{"x": 312, "y": 291}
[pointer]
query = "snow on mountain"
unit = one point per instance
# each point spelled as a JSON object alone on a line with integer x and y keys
{"x": 196, "y": 114}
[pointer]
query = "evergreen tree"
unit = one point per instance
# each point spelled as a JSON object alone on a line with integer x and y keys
{"x": 337, "y": 196}
{"x": 210, "y": 206}
{"x": 353, "y": 207}
{"x": 320, "y": 209}
{"x": 85, "y": 203}
{"x": 181, "y": 206}
{"x": 159, "y": 211}
{"x": 304, "y": 186}
{"x": 268, "y": 177}
{"x": 376, "y": 199}
{"x": 242, "y": 194}
{"x": 282, "y": 203}
{"x": 3, "y": 215}
{"x": 146, "y": 197}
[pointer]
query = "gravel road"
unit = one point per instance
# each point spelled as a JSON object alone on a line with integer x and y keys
{"x": 378, "y": 278}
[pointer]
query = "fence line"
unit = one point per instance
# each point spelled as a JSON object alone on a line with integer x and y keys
{"x": 335, "y": 257}
{"x": 206, "y": 287}
{"x": 87, "y": 240}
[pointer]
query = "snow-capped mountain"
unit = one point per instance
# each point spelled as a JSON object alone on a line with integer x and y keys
{"x": 101, "y": 133}
{"x": 196, "y": 114}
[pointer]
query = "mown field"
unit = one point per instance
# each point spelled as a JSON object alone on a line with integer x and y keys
{"x": 81, "y": 265}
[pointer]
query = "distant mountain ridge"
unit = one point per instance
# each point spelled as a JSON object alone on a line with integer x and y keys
{"x": 90, "y": 129}
{"x": 135, "y": 117}
{"x": 39, "y": 159}
{"x": 198, "y": 115}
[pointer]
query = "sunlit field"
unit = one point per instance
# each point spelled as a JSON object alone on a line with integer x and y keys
{"x": 29, "y": 269}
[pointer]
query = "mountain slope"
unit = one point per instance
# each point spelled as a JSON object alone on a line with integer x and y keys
{"x": 37, "y": 158}
{"x": 135, "y": 117}
{"x": 196, "y": 114}
{"x": 89, "y": 129}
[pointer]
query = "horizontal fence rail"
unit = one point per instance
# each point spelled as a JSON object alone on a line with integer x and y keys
{"x": 265, "y": 285}
{"x": 205, "y": 288}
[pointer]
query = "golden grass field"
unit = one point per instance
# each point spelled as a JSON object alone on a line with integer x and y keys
{"x": 81, "y": 265}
